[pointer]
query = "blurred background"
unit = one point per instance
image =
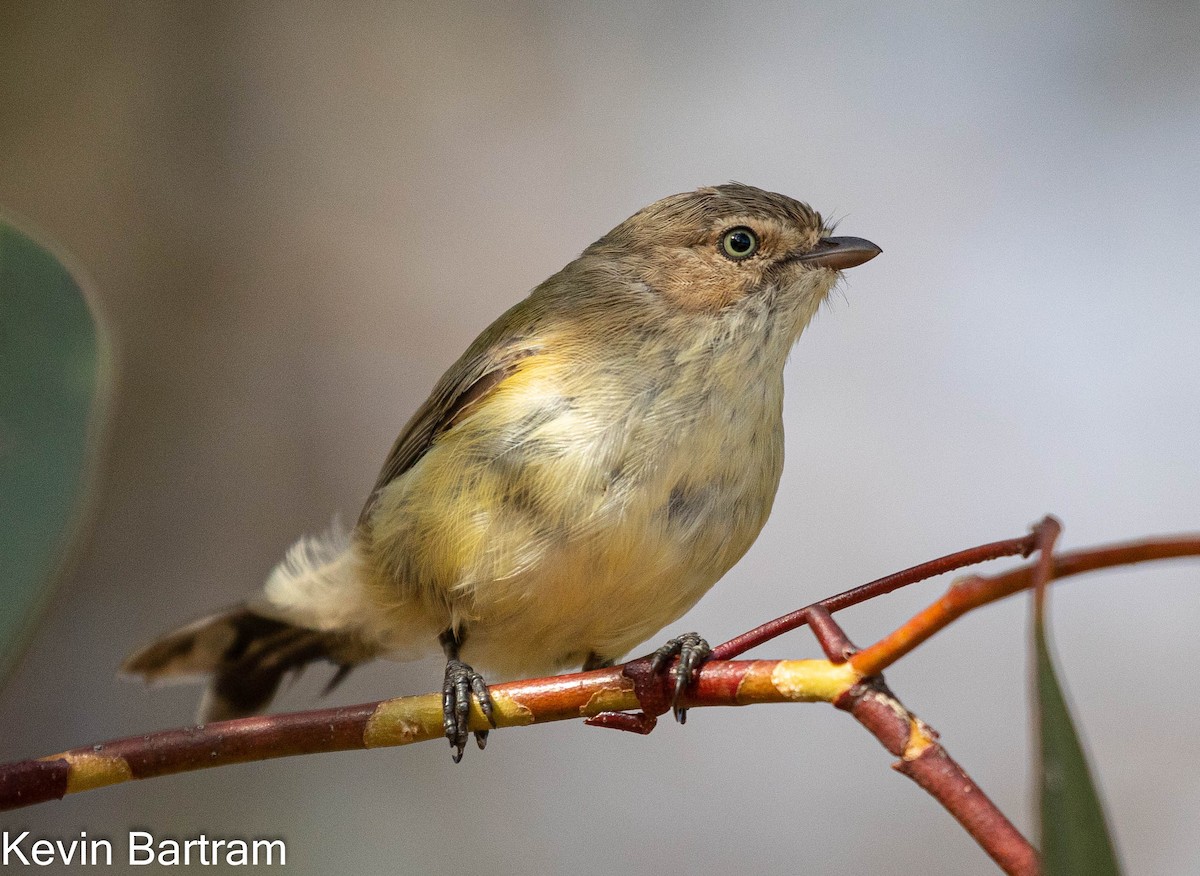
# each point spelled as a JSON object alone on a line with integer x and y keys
{"x": 298, "y": 214}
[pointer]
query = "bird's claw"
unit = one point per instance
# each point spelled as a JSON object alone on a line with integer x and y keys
{"x": 462, "y": 681}
{"x": 692, "y": 650}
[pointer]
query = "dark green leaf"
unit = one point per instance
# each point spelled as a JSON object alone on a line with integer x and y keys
{"x": 53, "y": 376}
{"x": 1075, "y": 839}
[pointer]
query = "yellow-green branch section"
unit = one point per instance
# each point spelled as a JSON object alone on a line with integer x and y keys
{"x": 401, "y": 721}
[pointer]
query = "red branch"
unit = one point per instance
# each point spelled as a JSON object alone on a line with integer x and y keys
{"x": 1010, "y": 547}
{"x": 926, "y": 762}
{"x": 849, "y": 678}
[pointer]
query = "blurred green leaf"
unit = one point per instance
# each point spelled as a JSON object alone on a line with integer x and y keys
{"x": 53, "y": 374}
{"x": 1075, "y": 837}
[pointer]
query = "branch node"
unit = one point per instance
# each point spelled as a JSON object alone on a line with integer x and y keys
{"x": 832, "y": 638}
{"x": 653, "y": 693}
{"x": 630, "y": 722}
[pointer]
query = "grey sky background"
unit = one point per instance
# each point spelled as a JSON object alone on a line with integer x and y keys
{"x": 298, "y": 214}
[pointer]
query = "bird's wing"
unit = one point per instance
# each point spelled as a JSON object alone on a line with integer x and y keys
{"x": 471, "y": 380}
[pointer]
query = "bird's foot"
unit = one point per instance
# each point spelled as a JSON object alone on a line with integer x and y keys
{"x": 692, "y": 650}
{"x": 648, "y": 675}
{"x": 462, "y": 681}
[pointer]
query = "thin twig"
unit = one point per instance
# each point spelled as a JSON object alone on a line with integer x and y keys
{"x": 975, "y": 591}
{"x": 1009, "y": 547}
{"x": 923, "y": 759}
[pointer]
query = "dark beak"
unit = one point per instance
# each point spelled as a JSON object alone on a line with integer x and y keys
{"x": 839, "y": 253}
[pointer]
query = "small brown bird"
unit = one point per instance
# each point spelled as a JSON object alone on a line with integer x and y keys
{"x": 592, "y": 464}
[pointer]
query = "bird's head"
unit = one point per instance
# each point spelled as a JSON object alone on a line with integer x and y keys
{"x": 712, "y": 248}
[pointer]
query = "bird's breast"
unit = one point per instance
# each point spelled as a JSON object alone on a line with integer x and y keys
{"x": 582, "y": 509}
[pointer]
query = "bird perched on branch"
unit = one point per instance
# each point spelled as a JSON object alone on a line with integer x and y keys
{"x": 593, "y": 463}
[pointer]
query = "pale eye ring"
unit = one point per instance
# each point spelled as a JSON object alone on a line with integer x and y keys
{"x": 738, "y": 243}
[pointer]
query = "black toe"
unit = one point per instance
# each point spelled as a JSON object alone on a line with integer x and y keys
{"x": 693, "y": 651}
{"x": 462, "y": 681}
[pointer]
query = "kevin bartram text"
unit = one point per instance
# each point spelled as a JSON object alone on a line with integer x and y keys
{"x": 139, "y": 848}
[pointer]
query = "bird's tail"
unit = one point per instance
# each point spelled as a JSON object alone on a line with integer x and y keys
{"x": 244, "y": 655}
{"x": 311, "y": 611}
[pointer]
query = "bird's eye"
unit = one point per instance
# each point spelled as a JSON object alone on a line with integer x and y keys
{"x": 739, "y": 243}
